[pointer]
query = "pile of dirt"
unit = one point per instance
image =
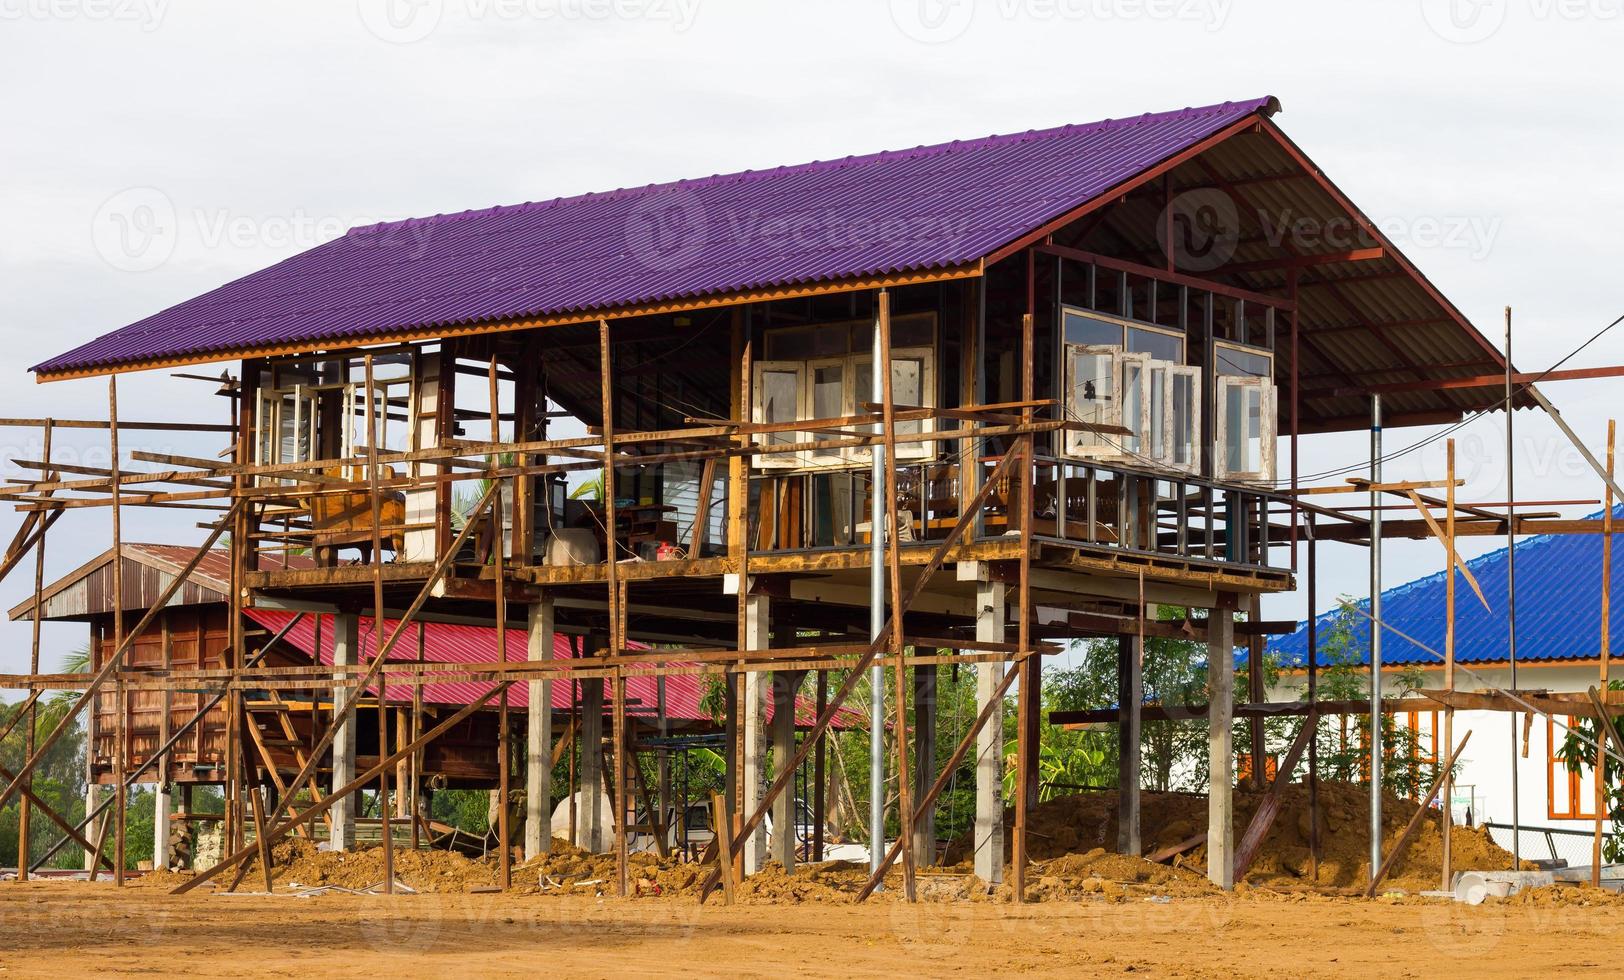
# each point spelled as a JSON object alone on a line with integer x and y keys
{"x": 1085, "y": 825}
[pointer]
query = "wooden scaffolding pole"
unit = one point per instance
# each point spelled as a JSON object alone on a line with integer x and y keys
{"x": 617, "y": 598}
{"x": 943, "y": 548}
{"x": 1448, "y": 785}
{"x": 375, "y": 501}
{"x": 120, "y": 725}
{"x": 893, "y": 554}
{"x": 341, "y": 715}
{"x": 504, "y": 735}
{"x": 1027, "y": 710}
{"x": 1606, "y": 658}
{"x": 32, "y": 711}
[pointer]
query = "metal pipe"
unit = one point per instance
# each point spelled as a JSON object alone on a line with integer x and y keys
{"x": 876, "y": 623}
{"x": 1375, "y": 740}
{"x": 1511, "y": 598}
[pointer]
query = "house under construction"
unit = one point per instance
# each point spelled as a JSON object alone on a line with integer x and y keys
{"x": 958, "y": 404}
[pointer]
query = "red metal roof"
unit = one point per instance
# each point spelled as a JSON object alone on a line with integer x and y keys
{"x": 452, "y": 643}
{"x": 905, "y": 211}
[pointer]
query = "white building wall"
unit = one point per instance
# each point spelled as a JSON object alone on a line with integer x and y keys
{"x": 1484, "y": 780}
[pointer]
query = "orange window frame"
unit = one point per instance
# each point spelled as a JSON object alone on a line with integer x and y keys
{"x": 1581, "y": 786}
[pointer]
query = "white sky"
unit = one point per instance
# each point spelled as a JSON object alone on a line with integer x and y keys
{"x": 1489, "y": 129}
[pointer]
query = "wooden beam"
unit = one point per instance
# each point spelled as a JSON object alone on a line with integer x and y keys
{"x": 1421, "y": 810}
{"x": 1269, "y": 808}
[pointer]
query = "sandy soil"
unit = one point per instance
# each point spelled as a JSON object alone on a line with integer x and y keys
{"x": 74, "y": 929}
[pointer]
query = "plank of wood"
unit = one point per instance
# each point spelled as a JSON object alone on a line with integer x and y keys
{"x": 1403, "y": 841}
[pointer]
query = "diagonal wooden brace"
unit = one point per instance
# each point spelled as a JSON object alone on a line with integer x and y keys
{"x": 854, "y": 675}
{"x": 936, "y": 788}
{"x": 342, "y": 715}
{"x": 118, "y": 655}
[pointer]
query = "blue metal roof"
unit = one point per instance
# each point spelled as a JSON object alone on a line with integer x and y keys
{"x": 1558, "y": 609}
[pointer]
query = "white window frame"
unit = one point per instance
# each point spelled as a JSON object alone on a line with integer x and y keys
{"x": 758, "y": 407}
{"x": 1133, "y": 451}
{"x": 271, "y": 410}
{"x": 1083, "y": 445}
{"x": 1171, "y": 437}
{"x": 927, "y": 388}
{"x": 835, "y": 456}
{"x": 1268, "y": 425}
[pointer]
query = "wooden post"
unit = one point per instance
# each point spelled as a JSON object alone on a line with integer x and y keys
{"x": 1130, "y": 698}
{"x": 1220, "y": 750}
{"x": 893, "y": 555}
{"x": 1448, "y": 784}
{"x": 25, "y": 807}
{"x": 504, "y": 745}
{"x": 1255, "y": 692}
{"x": 377, "y": 625}
{"x": 820, "y": 776}
{"x": 722, "y": 827}
{"x": 1312, "y": 721}
{"x": 1606, "y": 657}
{"x": 1403, "y": 841}
{"x": 1027, "y": 704}
{"x": 121, "y": 724}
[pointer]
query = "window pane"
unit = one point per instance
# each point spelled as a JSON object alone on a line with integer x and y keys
{"x": 1092, "y": 391}
{"x": 828, "y": 396}
{"x": 1133, "y": 393}
{"x": 1233, "y": 429}
{"x": 1235, "y": 363}
{"x": 1161, "y": 346}
{"x": 1183, "y": 419}
{"x": 1158, "y": 412}
{"x": 778, "y": 403}
{"x": 908, "y": 388}
{"x": 1092, "y": 331}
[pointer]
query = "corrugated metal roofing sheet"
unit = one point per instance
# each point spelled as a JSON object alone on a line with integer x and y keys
{"x": 1558, "y": 609}
{"x": 908, "y": 210}
{"x": 452, "y": 643}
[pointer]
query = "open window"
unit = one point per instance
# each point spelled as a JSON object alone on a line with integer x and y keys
{"x": 777, "y": 399}
{"x": 286, "y": 425}
{"x": 1091, "y": 397}
{"x": 1246, "y": 429}
{"x": 1123, "y": 374}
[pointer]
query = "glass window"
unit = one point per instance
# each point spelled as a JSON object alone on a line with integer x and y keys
{"x": 1091, "y": 397}
{"x": 1092, "y": 331}
{"x": 1162, "y": 346}
{"x": 1133, "y": 403}
{"x": 1156, "y": 430}
{"x": 1236, "y": 362}
{"x": 1184, "y": 409}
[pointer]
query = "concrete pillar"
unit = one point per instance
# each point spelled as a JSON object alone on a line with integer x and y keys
{"x": 593, "y": 809}
{"x": 1220, "y": 751}
{"x": 1130, "y": 700}
{"x": 538, "y": 765}
{"x": 93, "y": 798}
{"x": 924, "y": 768}
{"x": 989, "y": 830}
{"x": 160, "y": 825}
{"x": 346, "y": 650}
{"x": 753, "y": 715}
{"x": 785, "y": 817}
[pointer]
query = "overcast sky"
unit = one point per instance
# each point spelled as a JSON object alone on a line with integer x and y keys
{"x": 153, "y": 149}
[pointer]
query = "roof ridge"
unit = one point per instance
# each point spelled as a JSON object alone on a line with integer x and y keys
{"x": 1268, "y": 105}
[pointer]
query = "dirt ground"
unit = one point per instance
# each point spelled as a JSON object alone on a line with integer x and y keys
{"x": 75, "y": 928}
{"x": 1092, "y": 912}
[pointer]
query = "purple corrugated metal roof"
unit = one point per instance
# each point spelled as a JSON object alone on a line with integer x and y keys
{"x": 452, "y": 643}
{"x": 901, "y": 211}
